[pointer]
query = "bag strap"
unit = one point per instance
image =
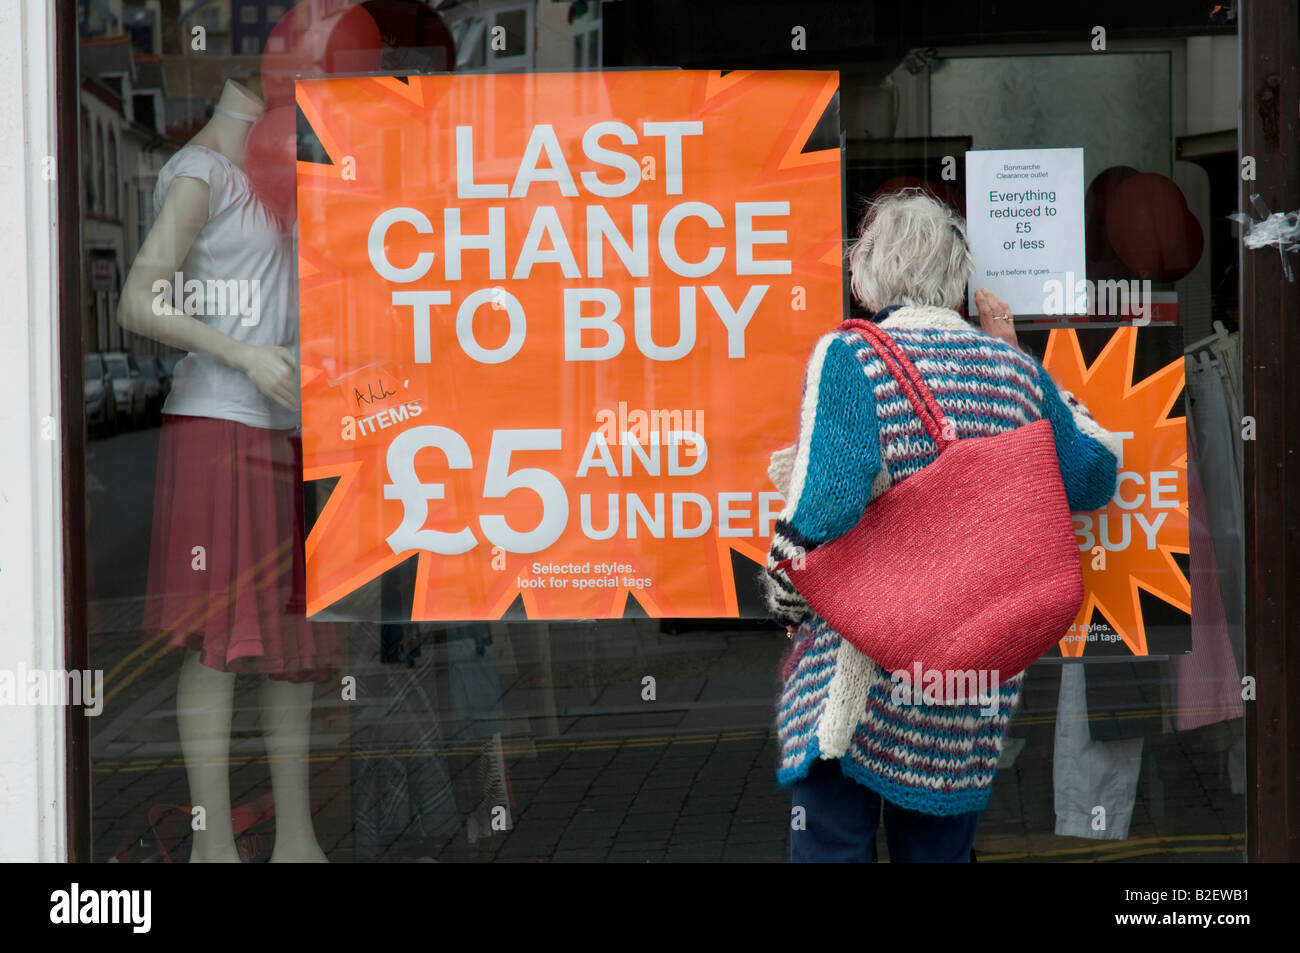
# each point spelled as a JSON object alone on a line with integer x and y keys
{"x": 910, "y": 382}
{"x": 918, "y": 383}
{"x": 909, "y": 379}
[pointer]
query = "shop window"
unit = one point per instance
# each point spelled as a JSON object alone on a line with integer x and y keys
{"x": 641, "y": 736}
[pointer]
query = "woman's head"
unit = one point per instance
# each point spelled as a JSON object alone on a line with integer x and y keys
{"x": 911, "y": 250}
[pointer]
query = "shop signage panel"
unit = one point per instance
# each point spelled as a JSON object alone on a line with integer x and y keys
{"x": 1135, "y": 552}
{"x": 552, "y": 328}
{"x": 1024, "y": 210}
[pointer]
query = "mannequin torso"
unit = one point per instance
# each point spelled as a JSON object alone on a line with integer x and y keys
{"x": 181, "y": 217}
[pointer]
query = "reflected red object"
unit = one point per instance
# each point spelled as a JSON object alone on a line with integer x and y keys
{"x": 271, "y": 159}
{"x": 1151, "y": 229}
{"x": 1102, "y": 258}
{"x": 317, "y": 38}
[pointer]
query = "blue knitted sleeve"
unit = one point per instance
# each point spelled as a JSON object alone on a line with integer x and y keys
{"x": 838, "y": 453}
{"x": 1089, "y": 468}
{"x": 836, "y": 462}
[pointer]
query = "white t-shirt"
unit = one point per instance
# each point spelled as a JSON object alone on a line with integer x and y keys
{"x": 240, "y": 277}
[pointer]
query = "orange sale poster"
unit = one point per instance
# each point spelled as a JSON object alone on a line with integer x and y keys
{"x": 552, "y": 327}
{"x": 1135, "y": 552}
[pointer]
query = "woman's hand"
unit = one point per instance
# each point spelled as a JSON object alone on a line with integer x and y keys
{"x": 996, "y": 318}
{"x": 274, "y": 372}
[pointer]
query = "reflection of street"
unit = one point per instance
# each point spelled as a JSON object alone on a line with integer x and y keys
{"x": 595, "y": 771}
{"x": 119, "y": 489}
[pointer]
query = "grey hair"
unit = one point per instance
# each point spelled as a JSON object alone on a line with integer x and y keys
{"x": 911, "y": 250}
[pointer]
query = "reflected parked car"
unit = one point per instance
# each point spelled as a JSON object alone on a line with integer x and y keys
{"x": 128, "y": 387}
{"x": 157, "y": 385}
{"x": 101, "y": 406}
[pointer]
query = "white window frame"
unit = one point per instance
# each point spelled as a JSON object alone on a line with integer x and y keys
{"x": 33, "y": 803}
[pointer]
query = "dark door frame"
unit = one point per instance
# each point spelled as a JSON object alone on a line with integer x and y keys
{"x": 72, "y": 423}
{"x": 1270, "y": 358}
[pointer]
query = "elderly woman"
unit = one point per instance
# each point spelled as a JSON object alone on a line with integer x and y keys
{"x": 846, "y": 745}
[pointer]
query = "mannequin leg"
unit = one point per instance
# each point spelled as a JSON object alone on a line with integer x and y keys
{"x": 286, "y": 725}
{"x": 204, "y": 700}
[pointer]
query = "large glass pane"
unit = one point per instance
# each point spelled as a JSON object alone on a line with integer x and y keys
{"x": 364, "y": 581}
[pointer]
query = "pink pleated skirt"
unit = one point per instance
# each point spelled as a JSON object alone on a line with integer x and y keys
{"x": 226, "y": 572}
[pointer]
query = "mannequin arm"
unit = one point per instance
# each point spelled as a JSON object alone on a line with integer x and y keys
{"x": 183, "y": 215}
{"x": 143, "y": 311}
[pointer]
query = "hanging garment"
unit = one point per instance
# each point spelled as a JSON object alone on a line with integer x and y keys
{"x": 1228, "y": 352}
{"x": 401, "y": 791}
{"x": 1207, "y": 683}
{"x": 1095, "y": 782}
{"x": 1214, "y": 437}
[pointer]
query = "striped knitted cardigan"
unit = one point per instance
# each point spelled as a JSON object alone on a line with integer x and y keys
{"x": 858, "y": 435}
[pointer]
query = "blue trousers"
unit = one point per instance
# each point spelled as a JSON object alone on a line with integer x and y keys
{"x": 840, "y": 817}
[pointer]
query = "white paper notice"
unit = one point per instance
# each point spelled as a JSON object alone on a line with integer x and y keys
{"x": 1024, "y": 215}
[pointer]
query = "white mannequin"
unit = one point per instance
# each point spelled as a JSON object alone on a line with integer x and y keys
{"x": 204, "y": 698}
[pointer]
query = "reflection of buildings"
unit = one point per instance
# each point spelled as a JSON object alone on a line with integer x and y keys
{"x": 151, "y": 70}
{"x": 520, "y": 35}
{"x": 122, "y": 146}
